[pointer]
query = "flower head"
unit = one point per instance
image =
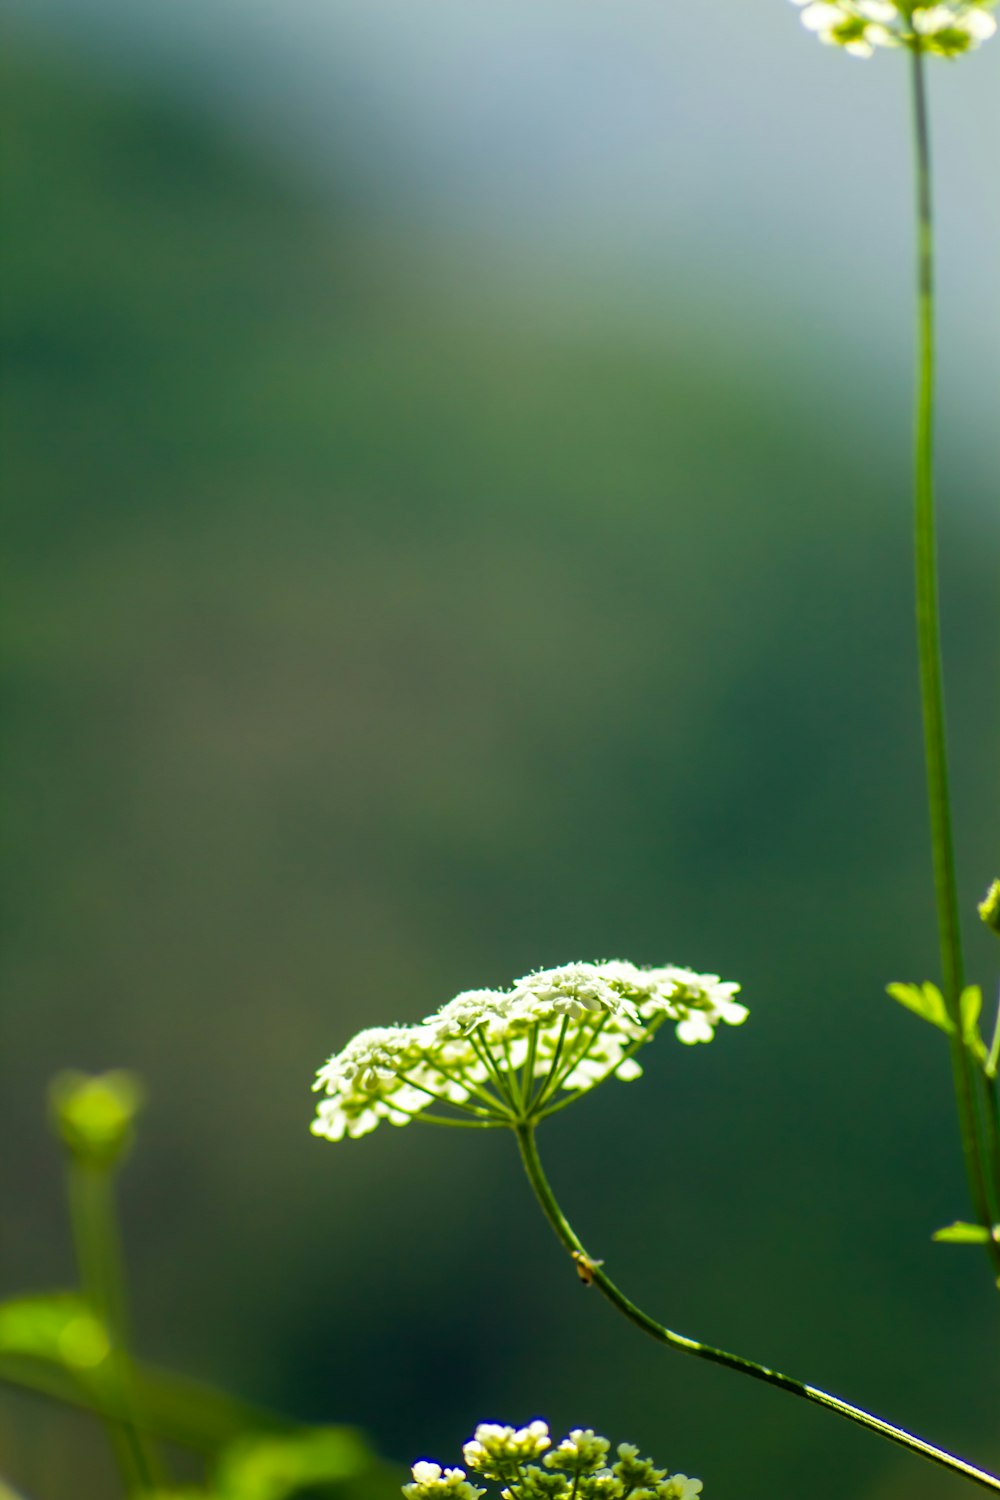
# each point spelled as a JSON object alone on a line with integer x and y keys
{"x": 576, "y": 1468}
{"x": 498, "y": 1057}
{"x": 431, "y": 1482}
{"x": 497, "y": 1452}
{"x": 580, "y": 1452}
{"x": 859, "y": 26}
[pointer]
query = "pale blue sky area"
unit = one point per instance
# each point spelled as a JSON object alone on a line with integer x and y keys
{"x": 718, "y": 145}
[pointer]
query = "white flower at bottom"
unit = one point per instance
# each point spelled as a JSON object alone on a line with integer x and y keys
{"x": 579, "y": 1467}
{"x": 680, "y": 1487}
{"x": 431, "y": 1482}
{"x": 495, "y": 1450}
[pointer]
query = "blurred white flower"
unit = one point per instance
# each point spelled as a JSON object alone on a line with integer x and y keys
{"x": 859, "y": 26}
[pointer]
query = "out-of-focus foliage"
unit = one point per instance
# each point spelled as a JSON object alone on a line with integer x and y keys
{"x": 251, "y": 1455}
{"x": 374, "y": 634}
{"x": 59, "y": 1328}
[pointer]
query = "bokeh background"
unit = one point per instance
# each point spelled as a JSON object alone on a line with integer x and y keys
{"x": 456, "y": 491}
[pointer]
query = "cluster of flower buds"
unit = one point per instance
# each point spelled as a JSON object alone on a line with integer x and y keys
{"x": 859, "y": 26}
{"x": 501, "y": 1057}
{"x": 575, "y": 1469}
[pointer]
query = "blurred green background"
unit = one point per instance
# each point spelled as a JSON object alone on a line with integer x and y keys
{"x": 409, "y": 583}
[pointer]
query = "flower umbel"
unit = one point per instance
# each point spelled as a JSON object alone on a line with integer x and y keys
{"x": 859, "y": 26}
{"x": 575, "y": 1469}
{"x": 505, "y": 1057}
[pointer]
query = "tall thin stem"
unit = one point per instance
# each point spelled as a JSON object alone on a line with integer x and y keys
{"x": 595, "y": 1275}
{"x": 964, "y": 1070}
{"x": 99, "y": 1261}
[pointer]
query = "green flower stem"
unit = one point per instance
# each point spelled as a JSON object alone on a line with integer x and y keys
{"x": 423, "y": 1118}
{"x": 652, "y": 1027}
{"x": 595, "y": 1274}
{"x": 473, "y": 1109}
{"x": 495, "y": 1105}
{"x": 554, "y": 1081}
{"x": 543, "y": 1090}
{"x": 481, "y": 1047}
{"x": 983, "y": 1192}
{"x": 99, "y": 1261}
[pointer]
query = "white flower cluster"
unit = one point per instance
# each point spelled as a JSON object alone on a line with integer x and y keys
{"x": 502, "y": 1056}
{"x": 431, "y": 1482}
{"x": 575, "y": 1469}
{"x": 859, "y": 26}
{"x": 493, "y": 1451}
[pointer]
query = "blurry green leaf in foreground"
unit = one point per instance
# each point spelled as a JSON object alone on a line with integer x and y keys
{"x": 94, "y": 1115}
{"x": 60, "y": 1327}
{"x": 924, "y": 1000}
{"x": 961, "y": 1233}
{"x": 270, "y": 1468}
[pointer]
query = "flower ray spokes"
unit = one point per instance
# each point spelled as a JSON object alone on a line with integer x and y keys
{"x": 504, "y": 1057}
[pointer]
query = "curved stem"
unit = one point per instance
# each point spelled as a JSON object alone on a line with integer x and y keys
{"x": 596, "y": 1276}
{"x": 929, "y": 653}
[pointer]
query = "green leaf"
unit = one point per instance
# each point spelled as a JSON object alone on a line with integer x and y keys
{"x": 60, "y": 1327}
{"x": 970, "y": 1005}
{"x": 924, "y": 1000}
{"x": 272, "y": 1468}
{"x": 961, "y": 1233}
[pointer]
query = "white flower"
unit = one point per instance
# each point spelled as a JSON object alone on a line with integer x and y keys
{"x": 501, "y": 1056}
{"x": 431, "y": 1482}
{"x": 680, "y": 1487}
{"x": 952, "y": 29}
{"x": 495, "y": 1450}
{"x": 580, "y": 1452}
{"x": 859, "y": 26}
{"x": 470, "y": 1010}
{"x": 575, "y": 990}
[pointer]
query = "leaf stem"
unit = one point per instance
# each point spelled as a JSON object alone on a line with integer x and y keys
{"x": 596, "y": 1275}
{"x": 929, "y": 656}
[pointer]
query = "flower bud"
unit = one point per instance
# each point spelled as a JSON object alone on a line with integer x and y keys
{"x": 93, "y": 1114}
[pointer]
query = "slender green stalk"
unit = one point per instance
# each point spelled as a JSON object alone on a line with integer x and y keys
{"x": 473, "y": 1109}
{"x": 495, "y": 1104}
{"x": 964, "y": 1069}
{"x": 99, "y": 1260}
{"x": 481, "y": 1047}
{"x": 593, "y": 1273}
{"x": 544, "y": 1088}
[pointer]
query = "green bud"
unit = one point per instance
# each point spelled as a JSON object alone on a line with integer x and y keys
{"x": 93, "y": 1114}
{"x": 580, "y": 1452}
{"x": 989, "y": 907}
